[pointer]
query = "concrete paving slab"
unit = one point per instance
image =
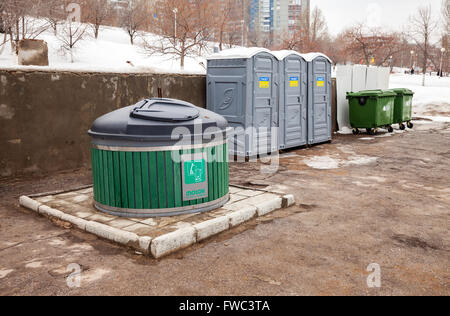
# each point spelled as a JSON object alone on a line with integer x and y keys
{"x": 156, "y": 236}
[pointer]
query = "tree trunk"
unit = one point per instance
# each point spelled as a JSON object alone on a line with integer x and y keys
{"x": 17, "y": 36}
{"x": 425, "y": 58}
{"x": 183, "y": 53}
{"x": 23, "y": 28}
{"x": 96, "y": 31}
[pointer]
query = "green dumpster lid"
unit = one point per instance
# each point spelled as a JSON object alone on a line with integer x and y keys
{"x": 372, "y": 93}
{"x": 403, "y": 91}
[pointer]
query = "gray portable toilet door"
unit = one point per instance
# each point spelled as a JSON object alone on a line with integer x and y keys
{"x": 265, "y": 112}
{"x": 319, "y": 111}
{"x": 295, "y": 102}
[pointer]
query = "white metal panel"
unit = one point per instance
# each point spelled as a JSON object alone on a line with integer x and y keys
{"x": 359, "y": 78}
{"x": 343, "y": 85}
{"x": 383, "y": 78}
{"x": 372, "y": 78}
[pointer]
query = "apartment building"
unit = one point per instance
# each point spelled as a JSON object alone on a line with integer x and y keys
{"x": 277, "y": 17}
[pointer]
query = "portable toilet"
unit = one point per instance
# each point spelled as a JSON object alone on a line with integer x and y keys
{"x": 242, "y": 86}
{"x": 319, "y": 98}
{"x": 293, "y": 99}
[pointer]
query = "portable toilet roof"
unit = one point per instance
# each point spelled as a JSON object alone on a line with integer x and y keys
{"x": 311, "y": 56}
{"x": 282, "y": 54}
{"x": 239, "y": 52}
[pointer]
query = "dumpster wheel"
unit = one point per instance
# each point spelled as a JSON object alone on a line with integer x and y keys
{"x": 356, "y": 131}
{"x": 371, "y": 131}
{"x": 390, "y": 129}
{"x": 410, "y": 125}
{"x": 402, "y": 126}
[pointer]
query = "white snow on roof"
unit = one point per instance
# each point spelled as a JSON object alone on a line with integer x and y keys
{"x": 282, "y": 54}
{"x": 240, "y": 52}
{"x": 312, "y": 56}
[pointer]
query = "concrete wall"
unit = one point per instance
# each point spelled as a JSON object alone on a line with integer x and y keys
{"x": 45, "y": 116}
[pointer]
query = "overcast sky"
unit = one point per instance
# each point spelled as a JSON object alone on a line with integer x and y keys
{"x": 390, "y": 14}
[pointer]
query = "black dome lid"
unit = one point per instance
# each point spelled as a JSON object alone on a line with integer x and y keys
{"x": 165, "y": 110}
{"x": 153, "y": 121}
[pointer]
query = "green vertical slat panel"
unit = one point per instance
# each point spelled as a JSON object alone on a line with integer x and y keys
{"x": 227, "y": 168}
{"x": 94, "y": 172}
{"x": 98, "y": 175}
{"x": 169, "y": 179}
{"x": 216, "y": 175}
{"x": 185, "y": 152}
{"x": 112, "y": 201}
{"x": 161, "y": 180}
{"x": 203, "y": 151}
{"x": 117, "y": 195}
{"x": 145, "y": 181}
{"x": 210, "y": 175}
{"x": 123, "y": 179}
{"x": 105, "y": 177}
{"x": 101, "y": 183}
{"x": 130, "y": 180}
{"x": 153, "y": 180}
{"x": 220, "y": 170}
{"x": 138, "y": 180}
{"x": 178, "y": 182}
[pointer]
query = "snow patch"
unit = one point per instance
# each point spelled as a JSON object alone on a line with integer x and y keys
{"x": 327, "y": 163}
{"x": 345, "y": 131}
{"x": 322, "y": 162}
{"x": 4, "y": 273}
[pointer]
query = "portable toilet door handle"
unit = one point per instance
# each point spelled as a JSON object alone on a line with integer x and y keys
{"x": 270, "y": 101}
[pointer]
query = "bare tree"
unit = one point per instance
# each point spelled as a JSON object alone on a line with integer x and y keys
{"x": 54, "y": 13}
{"x": 21, "y": 19}
{"x": 222, "y": 14}
{"x": 371, "y": 45}
{"x": 133, "y": 18}
{"x": 71, "y": 32}
{"x": 309, "y": 34}
{"x": 96, "y": 12}
{"x": 185, "y": 36}
{"x": 318, "y": 27}
{"x": 421, "y": 31}
{"x": 445, "y": 41}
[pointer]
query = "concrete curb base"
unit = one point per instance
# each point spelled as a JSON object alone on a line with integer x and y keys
{"x": 178, "y": 239}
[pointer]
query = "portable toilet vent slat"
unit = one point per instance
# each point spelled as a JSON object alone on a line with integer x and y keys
{"x": 319, "y": 98}
{"x": 242, "y": 86}
{"x": 293, "y": 129}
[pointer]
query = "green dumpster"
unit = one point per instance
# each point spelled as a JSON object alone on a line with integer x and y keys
{"x": 371, "y": 109}
{"x": 403, "y": 107}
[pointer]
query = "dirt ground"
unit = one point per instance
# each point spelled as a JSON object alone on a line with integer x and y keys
{"x": 386, "y": 201}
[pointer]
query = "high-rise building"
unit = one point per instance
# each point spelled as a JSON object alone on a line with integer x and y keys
{"x": 278, "y": 17}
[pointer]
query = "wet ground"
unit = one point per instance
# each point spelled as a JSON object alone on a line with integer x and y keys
{"x": 360, "y": 200}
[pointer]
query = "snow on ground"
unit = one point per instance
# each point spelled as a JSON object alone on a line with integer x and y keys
{"x": 109, "y": 53}
{"x": 433, "y": 100}
{"x": 327, "y": 162}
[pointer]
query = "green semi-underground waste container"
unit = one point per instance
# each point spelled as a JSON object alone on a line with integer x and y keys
{"x": 159, "y": 157}
{"x": 403, "y": 107}
{"x": 371, "y": 109}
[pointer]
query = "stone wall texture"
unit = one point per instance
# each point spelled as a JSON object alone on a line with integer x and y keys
{"x": 45, "y": 116}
